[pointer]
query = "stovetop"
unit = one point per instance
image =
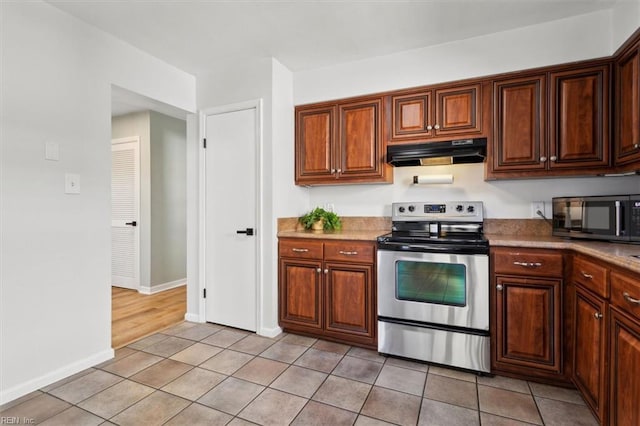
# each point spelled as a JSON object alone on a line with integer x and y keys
{"x": 444, "y": 227}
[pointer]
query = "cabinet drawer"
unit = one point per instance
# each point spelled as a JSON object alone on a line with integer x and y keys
{"x": 351, "y": 251}
{"x": 625, "y": 293}
{"x": 300, "y": 249}
{"x": 591, "y": 276}
{"x": 536, "y": 263}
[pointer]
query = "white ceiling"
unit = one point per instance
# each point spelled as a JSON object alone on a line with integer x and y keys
{"x": 196, "y": 35}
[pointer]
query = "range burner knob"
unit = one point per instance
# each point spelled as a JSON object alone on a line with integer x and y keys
{"x": 471, "y": 209}
{"x": 459, "y": 208}
{"x": 411, "y": 208}
{"x": 401, "y": 209}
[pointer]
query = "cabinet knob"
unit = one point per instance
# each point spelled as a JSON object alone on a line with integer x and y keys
{"x": 636, "y": 145}
{"x": 318, "y": 270}
{"x": 553, "y": 158}
{"x": 543, "y": 159}
{"x": 326, "y": 271}
{"x": 429, "y": 127}
{"x": 339, "y": 170}
{"x": 597, "y": 315}
{"x": 437, "y": 126}
{"x": 333, "y": 171}
{"x": 499, "y": 287}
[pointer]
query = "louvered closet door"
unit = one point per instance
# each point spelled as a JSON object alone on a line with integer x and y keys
{"x": 125, "y": 213}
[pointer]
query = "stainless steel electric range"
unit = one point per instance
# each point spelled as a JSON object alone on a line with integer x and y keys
{"x": 433, "y": 285}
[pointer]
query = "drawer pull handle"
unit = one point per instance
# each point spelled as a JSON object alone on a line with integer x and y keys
{"x": 588, "y": 276}
{"x": 348, "y": 253}
{"x": 630, "y": 299}
{"x": 597, "y": 315}
{"x": 528, "y": 264}
{"x": 300, "y": 250}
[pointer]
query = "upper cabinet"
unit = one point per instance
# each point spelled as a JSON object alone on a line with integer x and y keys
{"x": 439, "y": 113}
{"x": 627, "y": 108}
{"x": 340, "y": 142}
{"x": 554, "y": 122}
{"x": 578, "y": 118}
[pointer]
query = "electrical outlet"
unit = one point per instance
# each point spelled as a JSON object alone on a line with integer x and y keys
{"x": 537, "y": 206}
{"x": 329, "y": 207}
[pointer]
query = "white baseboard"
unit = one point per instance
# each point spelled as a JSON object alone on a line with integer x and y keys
{"x": 192, "y": 317}
{"x": 16, "y": 392}
{"x": 162, "y": 287}
{"x": 269, "y": 332}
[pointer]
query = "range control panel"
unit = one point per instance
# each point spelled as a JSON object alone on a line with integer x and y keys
{"x": 461, "y": 211}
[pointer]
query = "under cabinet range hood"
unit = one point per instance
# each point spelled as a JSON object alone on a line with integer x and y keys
{"x": 438, "y": 153}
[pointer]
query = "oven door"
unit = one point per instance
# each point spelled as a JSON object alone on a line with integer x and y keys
{"x": 434, "y": 288}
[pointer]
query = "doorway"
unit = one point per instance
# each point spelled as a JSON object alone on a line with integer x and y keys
{"x": 231, "y": 212}
{"x": 159, "y": 300}
{"x": 125, "y": 212}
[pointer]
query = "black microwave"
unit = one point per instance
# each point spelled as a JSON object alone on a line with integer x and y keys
{"x": 615, "y": 218}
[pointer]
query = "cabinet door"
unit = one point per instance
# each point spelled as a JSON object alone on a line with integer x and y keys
{"x": 300, "y": 293}
{"x": 519, "y": 124}
{"x": 625, "y": 370}
{"x": 361, "y": 150}
{"x": 589, "y": 363}
{"x": 315, "y": 136}
{"x": 627, "y": 135}
{"x": 579, "y": 117}
{"x": 458, "y": 111}
{"x": 411, "y": 116}
{"x": 528, "y": 323}
{"x": 349, "y": 299}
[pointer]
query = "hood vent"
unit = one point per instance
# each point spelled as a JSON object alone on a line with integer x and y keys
{"x": 438, "y": 153}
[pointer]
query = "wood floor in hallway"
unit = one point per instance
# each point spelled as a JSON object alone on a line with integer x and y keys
{"x": 135, "y": 315}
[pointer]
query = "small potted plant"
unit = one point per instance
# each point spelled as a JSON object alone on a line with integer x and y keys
{"x": 320, "y": 219}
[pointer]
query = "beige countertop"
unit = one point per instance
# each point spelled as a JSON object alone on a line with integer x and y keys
{"x": 516, "y": 235}
{"x": 364, "y": 235}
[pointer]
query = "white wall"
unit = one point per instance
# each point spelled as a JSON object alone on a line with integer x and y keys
{"x": 168, "y": 199}
{"x": 55, "y": 274}
{"x": 572, "y": 39}
{"x": 138, "y": 124}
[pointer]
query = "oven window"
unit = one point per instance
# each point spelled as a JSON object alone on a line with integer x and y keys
{"x": 441, "y": 283}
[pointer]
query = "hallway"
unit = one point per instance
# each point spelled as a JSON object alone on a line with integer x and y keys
{"x": 135, "y": 315}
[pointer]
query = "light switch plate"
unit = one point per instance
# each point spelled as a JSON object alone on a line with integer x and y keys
{"x": 71, "y": 183}
{"x": 51, "y": 151}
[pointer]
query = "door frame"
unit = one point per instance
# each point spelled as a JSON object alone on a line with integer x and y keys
{"x": 252, "y": 104}
{"x": 137, "y": 265}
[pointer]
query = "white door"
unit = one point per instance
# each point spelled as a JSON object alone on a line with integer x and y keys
{"x": 230, "y": 218}
{"x": 125, "y": 212}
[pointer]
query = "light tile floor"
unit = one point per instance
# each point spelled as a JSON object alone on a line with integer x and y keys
{"x": 205, "y": 374}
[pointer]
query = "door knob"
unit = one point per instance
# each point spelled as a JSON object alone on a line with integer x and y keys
{"x": 133, "y": 223}
{"x": 248, "y": 231}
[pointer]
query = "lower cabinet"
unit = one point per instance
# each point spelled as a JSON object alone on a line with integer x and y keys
{"x": 625, "y": 370}
{"x": 590, "y": 344}
{"x": 528, "y": 325}
{"x": 527, "y": 295}
{"x": 327, "y": 289}
{"x": 624, "y": 391}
